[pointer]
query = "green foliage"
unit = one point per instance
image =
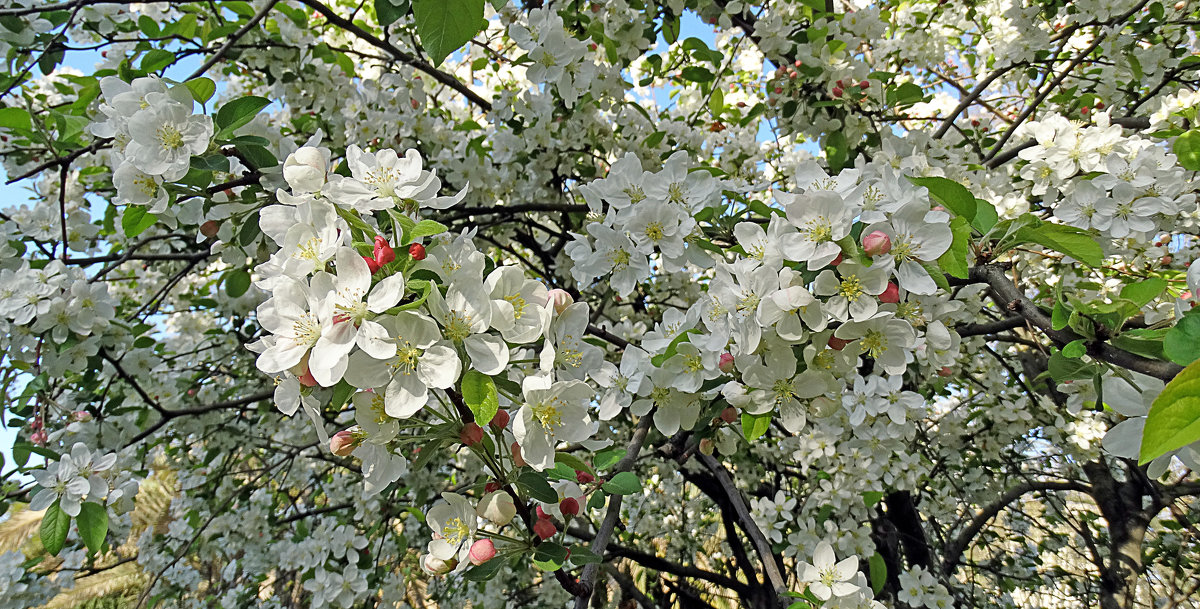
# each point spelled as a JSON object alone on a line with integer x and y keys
{"x": 445, "y": 25}
{"x": 1174, "y": 419}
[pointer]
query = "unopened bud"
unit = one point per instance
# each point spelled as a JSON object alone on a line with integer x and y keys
{"x": 837, "y": 91}
{"x": 559, "y": 299}
{"x": 541, "y": 513}
{"x": 304, "y": 170}
{"x": 516, "y": 455}
{"x": 371, "y": 264}
{"x": 706, "y": 446}
{"x": 500, "y": 420}
{"x": 890, "y": 294}
{"x": 729, "y": 415}
{"x": 583, "y": 477}
{"x": 725, "y": 364}
{"x": 491, "y": 487}
{"x": 416, "y": 251}
{"x": 569, "y": 506}
{"x": 498, "y": 507}
{"x": 81, "y": 416}
{"x": 544, "y": 529}
{"x": 471, "y": 434}
{"x": 837, "y": 261}
{"x": 209, "y": 228}
{"x": 945, "y": 371}
{"x": 436, "y": 566}
{"x": 481, "y": 552}
{"x": 343, "y": 443}
{"x": 837, "y": 344}
{"x": 39, "y": 437}
{"x": 383, "y": 251}
{"x": 307, "y": 379}
{"x": 877, "y": 243}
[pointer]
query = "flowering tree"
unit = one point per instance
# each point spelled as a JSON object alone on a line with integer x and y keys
{"x": 692, "y": 303}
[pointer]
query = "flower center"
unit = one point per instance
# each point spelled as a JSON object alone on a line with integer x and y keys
{"x": 454, "y": 531}
{"x": 457, "y": 325}
{"x": 548, "y": 414}
{"x": 170, "y": 137}
{"x": 874, "y": 343}
{"x": 654, "y": 231}
{"x": 851, "y": 288}
{"x": 306, "y": 329}
{"x": 407, "y": 357}
{"x": 819, "y": 230}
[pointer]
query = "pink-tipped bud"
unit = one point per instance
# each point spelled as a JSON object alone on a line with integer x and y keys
{"x": 544, "y": 529}
{"x": 837, "y": 344}
{"x": 491, "y": 487}
{"x": 798, "y": 63}
{"x": 481, "y": 552}
{"x": 837, "y": 261}
{"x": 862, "y": 84}
{"x": 778, "y": 90}
{"x": 518, "y": 460}
{"x": 559, "y": 299}
{"x": 583, "y": 477}
{"x": 417, "y": 251}
{"x": 371, "y": 264}
{"x": 500, "y": 420}
{"x": 945, "y": 371}
{"x": 890, "y": 294}
{"x": 383, "y": 252}
{"x": 209, "y": 228}
{"x": 540, "y": 512}
{"x": 569, "y": 506}
{"x": 307, "y": 379}
{"x": 729, "y": 415}
{"x": 726, "y": 363}
{"x": 837, "y": 91}
{"x": 471, "y": 434}
{"x": 343, "y": 443}
{"x": 39, "y": 437}
{"x": 877, "y": 243}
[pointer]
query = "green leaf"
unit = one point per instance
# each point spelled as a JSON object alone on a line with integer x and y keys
{"x": 1074, "y": 349}
{"x": 696, "y": 74}
{"x": 1061, "y": 369}
{"x": 237, "y": 282}
{"x": 93, "y": 525}
{"x": 238, "y": 112}
{"x": 55, "y": 524}
{"x": 954, "y": 261}
{"x": 1143, "y": 292}
{"x": 341, "y": 394}
{"x": 606, "y": 459}
{"x": 549, "y": 556}
{"x": 985, "y": 216}
{"x": 15, "y": 118}
{"x": 157, "y": 59}
{"x": 573, "y": 462}
{"x": 536, "y": 486}
{"x": 1182, "y": 342}
{"x": 1059, "y": 316}
{"x": 488, "y": 569}
{"x": 878, "y": 570}
{"x": 755, "y": 425}
{"x": 446, "y": 25}
{"x": 136, "y": 220}
{"x": 1174, "y": 419}
{"x": 202, "y": 88}
{"x": 1187, "y": 150}
{"x": 905, "y": 94}
{"x": 661, "y": 358}
{"x": 479, "y": 392}
{"x": 950, "y": 194}
{"x": 582, "y": 555}
{"x": 624, "y": 483}
{"x": 1069, "y": 240}
{"x": 837, "y": 150}
{"x": 426, "y": 228}
{"x": 870, "y": 498}
{"x": 388, "y": 12}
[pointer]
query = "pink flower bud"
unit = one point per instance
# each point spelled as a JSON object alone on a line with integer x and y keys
{"x": 877, "y": 243}
{"x": 500, "y": 420}
{"x": 837, "y": 91}
{"x": 471, "y": 434}
{"x": 837, "y": 344}
{"x": 863, "y": 84}
{"x": 729, "y": 415}
{"x": 540, "y": 512}
{"x": 209, "y": 228}
{"x": 544, "y": 529}
{"x": 945, "y": 371}
{"x": 491, "y": 487}
{"x": 417, "y": 251}
{"x": 481, "y": 552}
{"x": 343, "y": 443}
{"x": 890, "y": 294}
{"x": 39, "y": 437}
{"x": 383, "y": 252}
{"x": 726, "y": 363}
{"x": 837, "y": 261}
{"x": 516, "y": 455}
{"x": 569, "y": 506}
{"x": 307, "y": 379}
{"x": 583, "y": 477}
{"x": 559, "y": 299}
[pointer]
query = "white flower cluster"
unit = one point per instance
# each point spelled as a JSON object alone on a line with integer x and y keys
{"x": 154, "y": 136}
{"x": 20, "y": 589}
{"x": 79, "y": 476}
{"x": 557, "y": 57}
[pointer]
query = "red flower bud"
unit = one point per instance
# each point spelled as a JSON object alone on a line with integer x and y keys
{"x": 729, "y": 415}
{"x": 383, "y": 251}
{"x": 877, "y": 243}
{"x": 945, "y": 371}
{"x": 837, "y": 261}
{"x": 541, "y": 514}
{"x": 544, "y": 529}
{"x": 518, "y": 460}
{"x": 583, "y": 477}
{"x": 307, "y": 379}
{"x": 837, "y": 344}
{"x": 837, "y": 91}
{"x": 569, "y": 506}
{"x": 416, "y": 251}
{"x": 343, "y": 443}
{"x": 500, "y": 420}
{"x": 725, "y": 364}
{"x": 209, "y": 228}
{"x": 890, "y": 294}
{"x": 371, "y": 264}
{"x": 471, "y": 434}
{"x": 491, "y": 487}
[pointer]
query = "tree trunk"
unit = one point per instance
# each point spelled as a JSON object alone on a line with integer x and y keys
{"x": 1121, "y": 504}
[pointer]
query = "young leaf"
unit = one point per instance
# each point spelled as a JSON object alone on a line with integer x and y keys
{"x": 55, "y": 524}
{"x": 535, "y": 484}
{"x": 955, "y": 260}
{"x": 549, "y": 556}
{"x": 446, "y": 25}
{"x": 239, "y": 112}
{"x": 93, "y": 525}
{"x": 1187, "y": 150}
{"x": 1143, "y": 292}
{"x": 1174, "y": 419}
{"x": 136, "y": 220}
{"x": 202, "y": 88}
{"x": 755, "y": 425}
{"x": 949, "y": 194}
{"x": 624, "y": 483}
{"x": 1182, "y": 342}
{"x": 237, "y": 282}
{"x": 426, "y": 228}
{"x": 479, "y": 392}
